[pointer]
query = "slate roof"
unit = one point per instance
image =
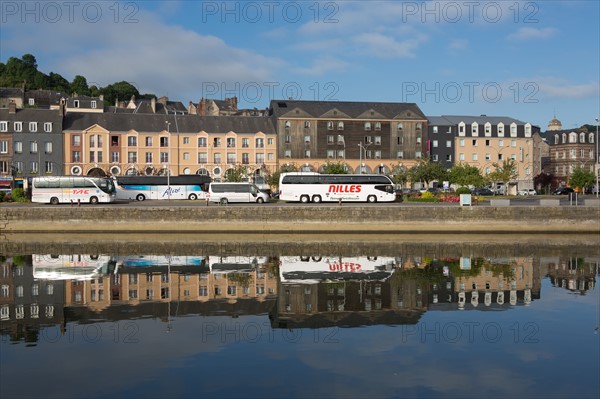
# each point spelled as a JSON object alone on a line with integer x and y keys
{"x": 279, "y": 108}
{"x": 469, "y": 119}
{"x": 32, "y": 115}
{"x": 123, "y": 122}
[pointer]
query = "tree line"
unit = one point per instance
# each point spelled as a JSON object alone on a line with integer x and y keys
{"x": 24, "y": 70}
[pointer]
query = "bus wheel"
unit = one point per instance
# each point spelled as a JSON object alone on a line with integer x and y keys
{"x": 371, "y": 198}
{"x": 94, "y": 200}
{"x": 316, "y": 199}
{"x": 140, "y": 197}
{"x": 304, "y": 199}
{"x": 193, "y": 197}
{"x": 54, "y": 201}
{"x": 223, "y": 201}
{"x": 260, "y": 200}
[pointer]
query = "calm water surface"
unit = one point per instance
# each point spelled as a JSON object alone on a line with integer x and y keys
{"x": 83, "y": 323}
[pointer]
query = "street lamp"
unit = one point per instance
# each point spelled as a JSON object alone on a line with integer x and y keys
{"x": 360, "y": 148}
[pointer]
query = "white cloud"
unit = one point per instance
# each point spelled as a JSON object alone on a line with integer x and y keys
{"x": 457, "y": 45}
{"x": 155, "y": 57}
{"x": 383, "y": 46}
{"x": 528, "y": 33}
{"x": 322, "y": 65}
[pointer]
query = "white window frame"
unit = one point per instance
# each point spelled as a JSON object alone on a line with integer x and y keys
{"x": 33, "y": 126}
{"x": 48, "y": 127}
{"x": 18, "y": 126}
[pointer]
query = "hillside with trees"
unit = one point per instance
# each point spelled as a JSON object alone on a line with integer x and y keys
{"x": 17, "y": 71}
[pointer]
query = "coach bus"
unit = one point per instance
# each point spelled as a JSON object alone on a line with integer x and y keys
{"x": 141, "y": 188}
{"x": 70, "y": 189}
{"x": 314, "y": 187}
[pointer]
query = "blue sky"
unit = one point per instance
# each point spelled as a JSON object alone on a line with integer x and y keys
{"x": 523, "y": 59}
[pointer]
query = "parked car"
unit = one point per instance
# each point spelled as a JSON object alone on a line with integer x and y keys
{"x": 527, "y": 191}
{"x": 482, "y": 191}
{"x": 563, "y": 191}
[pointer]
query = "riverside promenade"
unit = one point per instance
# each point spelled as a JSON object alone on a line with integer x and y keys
{"x": 313, "y": 219}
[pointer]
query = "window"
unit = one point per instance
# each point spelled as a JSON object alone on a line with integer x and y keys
{"x": 132, "y": 141}
{"x": 461, "y": 142}
{"x": 115, "y": 156}
{"x": 474, "y": 156}
{"x": 329, "y": 125}
{"x": 435, "y": 129}
{"x": 513, "y": 130}
{"x": 307, "y": 124}
{"x": 18, "y": 126}
{"x": 448, "y": 143}
{"x": 287, "y": 153}
{"x": 461, "y": 156}
{"x": 231, "y": 158}
{"x": 306, "y": 153}
{"x": 500, "y": 143}
{"x": 488, "y": 156}
{"x": 164, "y": 157}
{"x": 306, "y": 139}
{"x": 186, "y": 140}
{"x": 245, "y": 158}
{"x": 33, "y": 126}
{"x": 377, "y": 154}
{"x": 93, "y": 103}
{"x": 591, "y": 138}
{"x": 377, "y": 126}
{"x": 400, "y": 154}
{"x": 527, "y": 130}
{"x": 4, "y": 147}
{"x": 340, "y": 126}
{"x": 488, "y": 129}
{"x": 487, "y": 143}
{"x": 474, "y": 142}
{"x": 186, "y": 156}
{"x": 500, "y": 129}
{"x": 434, "y": 143}
{"x": 434, "y": 157}
{"x": 417, "y": 154}
{"x": 330, "y": 139}
{"x": 31, "y": 101}
{"x": 48, "y": 167}
{"x": 419, "y": 126}
{"x": 202, "y": 142}
{"x": 368, "y": 140}
{"x": 48, "y": 127}
{"x": 400, "y": 126}
{"x": 367, "y": 126}
{"x": 92, "y": 158}
{"x": 132, "y": 157}
{"x": 217, "y": 158}
{"x": 260, "y": 143}
{"x": 4, "y": 292}
{"x": 76, "y": 141}
{"x": 164, "y": 142}
{"x": 75, "y": 103}
{"x": 3, "y": 126}
{"x": 230, "y": 142}
{"x": 76, "y": 156}
{"x": 461, "y": 129}
{"x": 474, "y": 129}
{"x": 202, "y": 157}
{"x": 377, "y": 140}
{"x": 33, "y": 147}
{"x": 513, "y": 143}
{"x": 148, "y": 157}
{"x": 148, "y": 141}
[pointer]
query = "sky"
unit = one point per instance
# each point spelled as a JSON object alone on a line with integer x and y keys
{"x": 530, "y": 60}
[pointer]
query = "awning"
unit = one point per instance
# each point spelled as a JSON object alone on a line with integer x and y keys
{"x": 5, "y": 182}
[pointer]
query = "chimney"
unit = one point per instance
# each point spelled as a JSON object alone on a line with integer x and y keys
{"x": 12, "y": 107}
{"x": 153, "y": 104}
{"x": 62, "y": 109}
{"x": 234, "y": 103}
{"x": 101, "y": 97}
{"x": 191, "y": 110}
{"x": 202, "y": 107}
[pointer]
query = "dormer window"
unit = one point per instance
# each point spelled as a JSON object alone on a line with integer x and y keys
{"x": 75, "y": 103}
{"x": 564, "y": 138}
{"x": 591, "y": 138}
{"x": 93, "y": 104}
{"x": 500, "y": 129}
{"x": 556, "y": 139}
{"x": 513, "y": 130}
{"x": 488, "y": 129}
{"x": 461, "y": 129}
{"x": 527, "y": 130}
{"x": 582, "y": 137}
{"x": 31, "y": 102}
{"x": 474, "y": 129}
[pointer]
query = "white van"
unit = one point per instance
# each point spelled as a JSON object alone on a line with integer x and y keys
{"x": 236, "y": 192}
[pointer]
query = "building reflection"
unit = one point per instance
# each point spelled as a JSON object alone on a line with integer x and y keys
{"x": 295, "y": 292}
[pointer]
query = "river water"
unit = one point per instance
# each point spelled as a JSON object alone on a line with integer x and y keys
{"x": 361, "y": 317}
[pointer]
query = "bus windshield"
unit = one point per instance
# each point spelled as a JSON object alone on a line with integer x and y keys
{"x": 106, "y": 185}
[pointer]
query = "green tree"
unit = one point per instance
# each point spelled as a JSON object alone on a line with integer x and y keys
{"x": 581, "y": 178}
{"x": 427, "y": 171}
{"x": 236, "y": 174}
{"x": 120, "y": 90}
{"x": 465, "y": 175}
{"x": 504, "y": 172}
{"x": 79, "y": 85}
{"x": 335, "y": 168}
{"x": 400, "y": 174}
{"x": 57, "y": 83}
{"x": 273, "y": 179}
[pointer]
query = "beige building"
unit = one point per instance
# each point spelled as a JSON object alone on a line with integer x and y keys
{"x": 149, "y": 144}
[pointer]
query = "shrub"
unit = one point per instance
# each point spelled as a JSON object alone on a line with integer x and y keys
{"x": 427, "y": 195}
{"x": 450, "y": 198}
{"x": 18, "y": 195}
{"x": 2, "y": 196}
{"x": 462, "y": 190}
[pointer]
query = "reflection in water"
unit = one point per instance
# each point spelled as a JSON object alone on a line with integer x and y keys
{"x": 291, "y": 293}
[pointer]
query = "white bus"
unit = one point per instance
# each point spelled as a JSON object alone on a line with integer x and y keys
{"x": 224, "y": 193}
{"x": 69, "y": 267}
{"x": 71, "y": 189}
{"x": 141, "y": 188}
{"x": 314, "y": 187}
